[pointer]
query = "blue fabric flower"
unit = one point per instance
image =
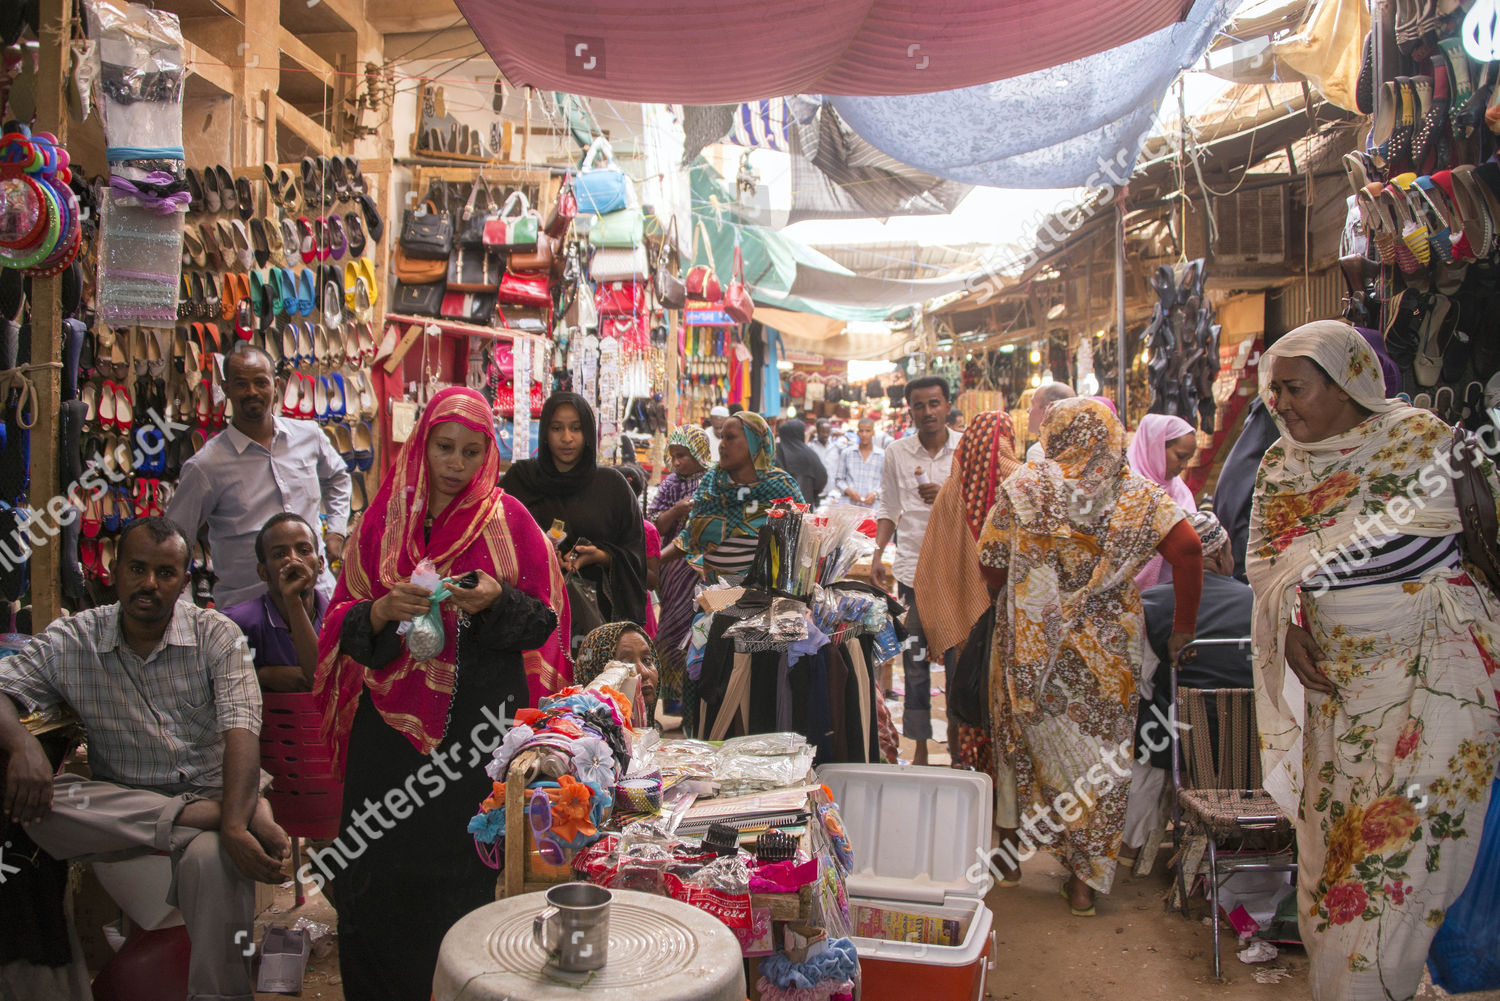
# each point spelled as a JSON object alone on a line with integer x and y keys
{"x": 488, "y": 827}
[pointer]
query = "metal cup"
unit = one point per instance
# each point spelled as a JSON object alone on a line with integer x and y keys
{"x": 574, "y": 927}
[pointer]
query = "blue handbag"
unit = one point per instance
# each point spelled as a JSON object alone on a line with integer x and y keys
{"x": 604, "y": 189}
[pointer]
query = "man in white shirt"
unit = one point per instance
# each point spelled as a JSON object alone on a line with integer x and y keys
{"x": 716, "y": 418}
{"x": 914, "y": 470}
{"x": 828, "y": 450}
{"x": 1043, "y": 398}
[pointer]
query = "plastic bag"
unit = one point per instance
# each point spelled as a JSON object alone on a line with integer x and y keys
{"x": 425, "y": 636}
{"x": 1465, "y": 953}
{"x": 763, "y": 761}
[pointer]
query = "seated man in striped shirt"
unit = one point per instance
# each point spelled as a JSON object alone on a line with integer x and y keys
{"x": 169, "y": 698}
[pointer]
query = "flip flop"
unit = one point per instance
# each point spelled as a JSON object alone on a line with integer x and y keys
{"x": 1087, "y": 912}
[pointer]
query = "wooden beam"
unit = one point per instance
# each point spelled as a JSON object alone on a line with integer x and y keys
{"x": 207, "y": 68}
{"x": 311, "y": 132}
{"x": 46, "y": 327}
{"x": 400, "y": 17}
{"x": 305, "y": 57}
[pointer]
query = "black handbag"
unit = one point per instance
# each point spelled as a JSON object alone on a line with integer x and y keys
{"x": 583, "y": 606}
{"x": 1476, "y": 510}
{"x": 426, "y": 232}
{"x": 968, "y": 686}
{"x": 419, "y": 300}
{"x": 474, "y": 215}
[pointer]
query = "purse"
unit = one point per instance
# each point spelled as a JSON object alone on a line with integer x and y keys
{"x": 620, "y": 298}
{"x": 701, "y": 283}
{"x": 604, "y": 189}
{"x": 513, "y": 232}
{"x": 619, "y": 264}
{"x": 737, "y": 301}
{"x": 540, "y": 259}
{"x": 632, "y": 331}
{"x": 1476, "y": 510}
{"x": 470, "y": 307}
{"x": 473, "y": 269}
{"x": 524, "y": 289}
{"x": 670, "y": 291}
{"x": 563, "y": 210}
{"x": 624, "y": 228}
{"x": 969, "y": 685}
{"x": 419, "y": 270}
{"x": 475, "y": 215}
{"x": 583, "y": 605}
{"x": 427, "y": 233}
{"x": 419, "y": 300}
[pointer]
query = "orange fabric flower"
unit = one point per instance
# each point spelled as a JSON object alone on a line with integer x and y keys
{"x": 570, "y": 808}
{"x": 527, "y": 716}
{"x": 619, "y": 699}
{"x": 496, "y": 800}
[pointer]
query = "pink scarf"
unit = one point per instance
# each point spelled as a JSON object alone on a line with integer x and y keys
{"x": 1147, "y": 456}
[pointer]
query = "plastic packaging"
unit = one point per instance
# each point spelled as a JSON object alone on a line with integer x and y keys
{"x": 424, "y": 576}
{"x": 763, "y": 761}
{"x": 140, "y": 78}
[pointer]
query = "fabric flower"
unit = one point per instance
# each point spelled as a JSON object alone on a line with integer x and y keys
{"x": 570, "y": 809}
{"x": 496, "y": 800}
{"x": 617, "y": 702}
{"x": 488, "y": 827}
{"x": 594, "y": 763}
{"x": 1344, "y": 845}
{"x": 1411, "y": 735}
{"x": 514, "y": 738}
{"x": 1345, "y": 902}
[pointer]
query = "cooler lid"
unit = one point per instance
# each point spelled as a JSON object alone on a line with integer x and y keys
{"x": 917, "y": 833}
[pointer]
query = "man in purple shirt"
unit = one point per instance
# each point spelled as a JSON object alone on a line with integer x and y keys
{"x": 282, "y": 625}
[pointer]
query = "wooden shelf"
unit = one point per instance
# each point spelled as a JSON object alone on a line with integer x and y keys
{"x": 458, "y": 329}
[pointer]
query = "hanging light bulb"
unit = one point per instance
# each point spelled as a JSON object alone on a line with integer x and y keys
{"x": 1481, "y": 31}
{"x": 1036, "y": 381}
{"x": 1036, "y": 356}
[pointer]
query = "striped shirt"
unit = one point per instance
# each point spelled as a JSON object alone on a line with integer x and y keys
{"x": 1387, "y": 559}
{"x": 154, "y": 722}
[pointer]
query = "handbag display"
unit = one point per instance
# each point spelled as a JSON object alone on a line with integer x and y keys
{"x": 513, "y": 232}
{"x": 541, "y": 259}
{"x": 737, "y": 301}
{"x": 474, "y": 215}
{"x": 419, "y": 300}
{"x": 619, "y": 264}
{"x": 670, "y": 290}
{"x": 624, "y": 228}
{"x": 469, "y": 307}
{"x": 620, "y": 298}
{"x": 601, "y": 190}
{"x": 1476, "y": 510}
{"x": 632, "y": 331}
{"x": 427, "y": 233}
{"x": 419, "y": 270}
{"x": 701, "y": 283}
{"x": 563, "y": 211}
{"x": 525, "y": 289}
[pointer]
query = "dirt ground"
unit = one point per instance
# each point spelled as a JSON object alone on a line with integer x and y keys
{"x": 1134, "y": 948}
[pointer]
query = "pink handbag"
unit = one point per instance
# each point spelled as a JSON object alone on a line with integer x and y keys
{"x": 620, "y": 298}
{"x": 528, "y": 289}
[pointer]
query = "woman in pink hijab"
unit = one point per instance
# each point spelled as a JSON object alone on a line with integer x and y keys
{"x": 1161, "y": 449}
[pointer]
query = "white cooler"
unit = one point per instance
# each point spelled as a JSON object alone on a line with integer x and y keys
{"x": 916, "y": 834}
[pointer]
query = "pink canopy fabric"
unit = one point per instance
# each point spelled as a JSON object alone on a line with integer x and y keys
{"x": 727, "y": 51}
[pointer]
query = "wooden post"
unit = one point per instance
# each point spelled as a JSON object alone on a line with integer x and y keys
{"x": 1121, "y": 361}
{"x": 46, "y": 322}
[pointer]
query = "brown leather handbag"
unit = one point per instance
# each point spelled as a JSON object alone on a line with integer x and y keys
{"x": 539, "y": 259}
{"x": 1476, "y": 510}
{"x": 420, "y": 270}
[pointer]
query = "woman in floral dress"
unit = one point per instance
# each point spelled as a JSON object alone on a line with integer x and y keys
{"x": 1360, "y": 589}
{"x": 1062, "y": 544}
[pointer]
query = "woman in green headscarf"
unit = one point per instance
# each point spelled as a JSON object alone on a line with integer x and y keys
{"x": 731, "y": 503}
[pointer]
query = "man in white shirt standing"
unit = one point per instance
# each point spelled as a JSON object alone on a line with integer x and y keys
{"x": 828, "y": 450}
{"x": 716, "y": 418}
{"x": 1043, "y": 398}
{"x": 915, "y": 468}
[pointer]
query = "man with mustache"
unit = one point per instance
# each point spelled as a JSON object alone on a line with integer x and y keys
{"x": 168, "y": 696}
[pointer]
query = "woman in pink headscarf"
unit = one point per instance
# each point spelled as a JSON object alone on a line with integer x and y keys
{"x": 1161, "y": 449}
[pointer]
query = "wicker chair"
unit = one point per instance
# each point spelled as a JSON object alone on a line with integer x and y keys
{"x": 1218, "y": 796}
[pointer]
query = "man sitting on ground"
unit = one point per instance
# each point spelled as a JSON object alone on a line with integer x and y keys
{"x": 1224, "y": 612}
{"x": 282, "y": 624}
{"x": 169, "y": 700}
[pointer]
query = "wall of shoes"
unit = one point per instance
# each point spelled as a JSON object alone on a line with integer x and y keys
{"x": 1424, "y": 213}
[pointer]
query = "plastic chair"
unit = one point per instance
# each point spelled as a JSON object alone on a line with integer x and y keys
{"x": 304, "y": 795}
{"x": 1217, "y": 790}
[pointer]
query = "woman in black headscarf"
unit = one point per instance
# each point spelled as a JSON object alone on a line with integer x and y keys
{"x": 793, "y": 455}
{"x": 588, "y": 510}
